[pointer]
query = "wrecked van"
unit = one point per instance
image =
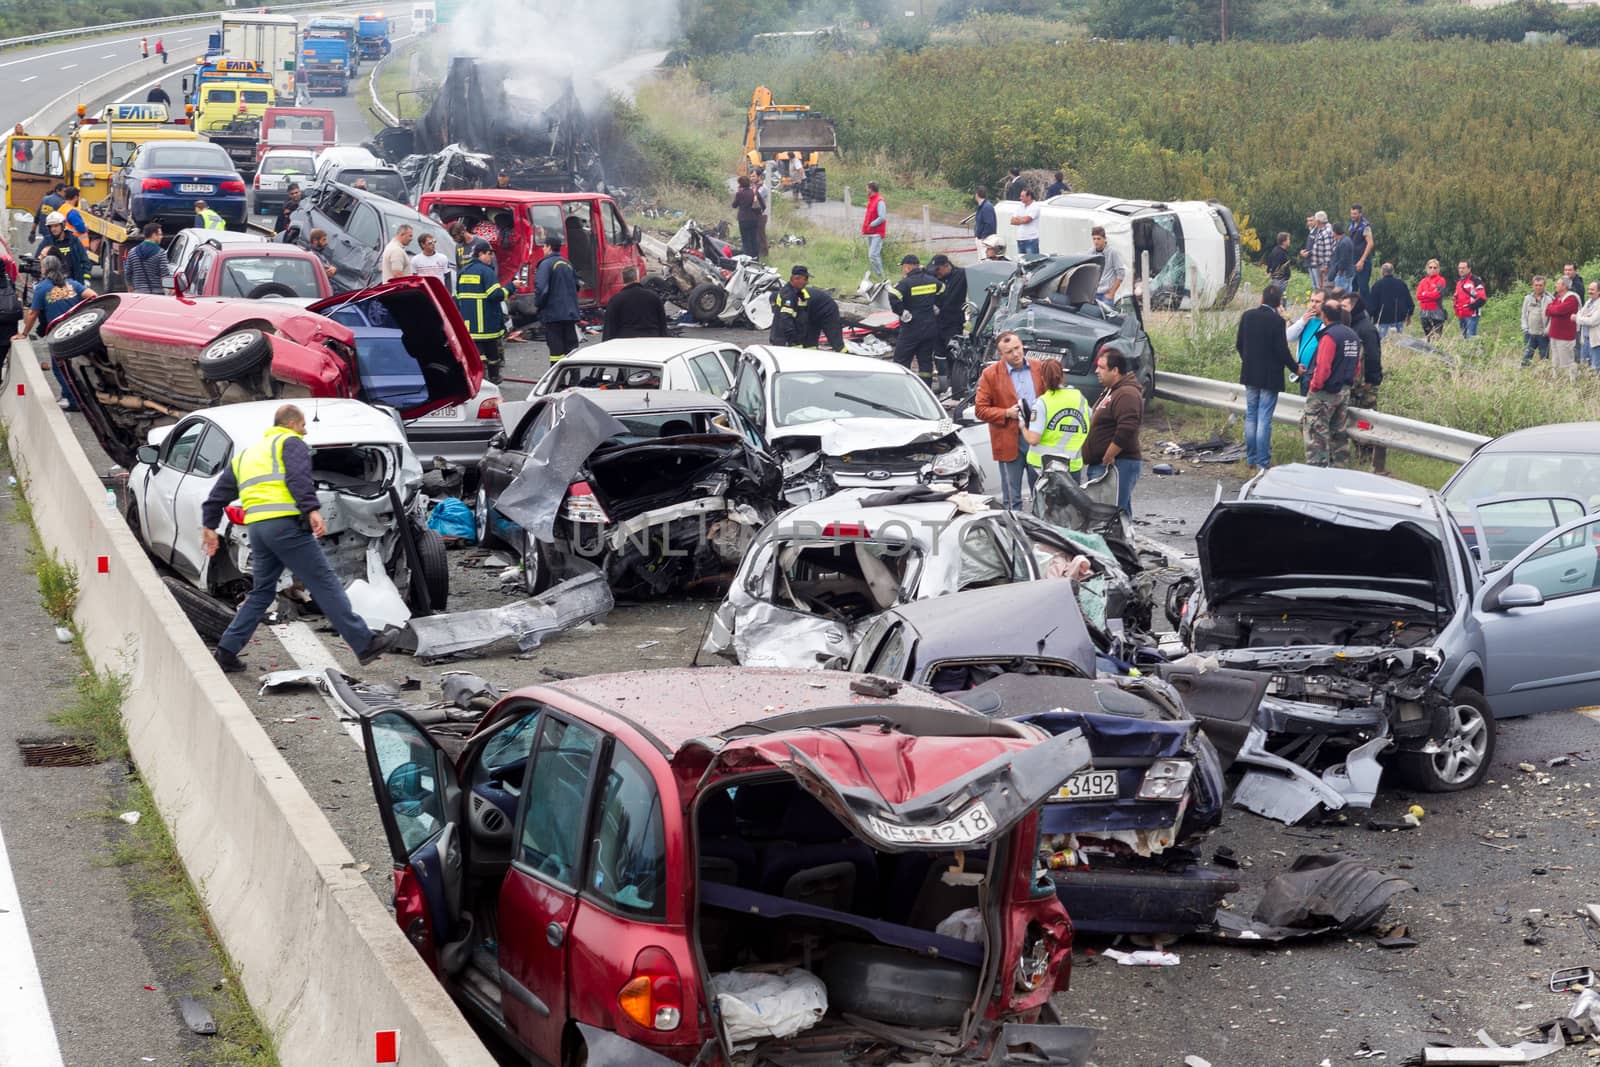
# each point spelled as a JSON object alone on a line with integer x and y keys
{"x": 651, "y": 864}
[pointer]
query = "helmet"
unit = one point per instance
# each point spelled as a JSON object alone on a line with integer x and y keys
{"x": 55, "y": 218}
{"x": 994, "y": 240}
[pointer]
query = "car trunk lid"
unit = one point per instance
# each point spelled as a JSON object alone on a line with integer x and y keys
{"x": 634, "y": 479}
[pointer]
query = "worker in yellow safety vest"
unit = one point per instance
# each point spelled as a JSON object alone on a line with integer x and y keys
{"x": 282, "y": 516}
{"x": 1059, "y": 423}
{"x": 208, "y": 219}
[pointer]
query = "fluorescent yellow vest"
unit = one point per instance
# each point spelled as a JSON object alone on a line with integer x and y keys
{"x": 259, "y": 471}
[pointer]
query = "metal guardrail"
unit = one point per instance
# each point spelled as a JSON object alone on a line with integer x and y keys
{"x": 1373, "y": 428}
{"x": 166, "y": 20}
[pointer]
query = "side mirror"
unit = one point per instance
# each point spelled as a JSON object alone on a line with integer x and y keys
{"x": 148, "y": 455}
{"x": 1518, "y": 595}
{"x": 178, "y": 286}
{"x": 498, "y": 441}
{"x": 636, "y": 236}
{"x": 186, "y": 86}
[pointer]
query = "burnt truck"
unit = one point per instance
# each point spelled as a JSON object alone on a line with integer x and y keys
{"x": 490, "y": 117}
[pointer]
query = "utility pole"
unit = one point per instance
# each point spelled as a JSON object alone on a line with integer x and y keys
{"x": 1224, "y": 21}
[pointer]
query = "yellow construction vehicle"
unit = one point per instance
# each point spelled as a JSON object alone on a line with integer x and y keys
{"x": 776, "y": 135}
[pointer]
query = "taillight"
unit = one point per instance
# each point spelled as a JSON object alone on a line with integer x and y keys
{"x": 489, "y": 408}
{"x": 232, "y": 187}
{"x": 1033, "y": 966}
{"x": 845, "y": 529}
{"x": 581, "y": 505}
{"x": 155, "y": 185}
{"x": 235, "y": 514}
{"x": 257, "y": 182}
{"x": 653, "y": 995}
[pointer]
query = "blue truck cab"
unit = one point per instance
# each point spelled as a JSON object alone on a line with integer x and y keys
{"x": 372, "y": 36}
{"x": 341, "y": 27}
{"x": 325, "y": 64}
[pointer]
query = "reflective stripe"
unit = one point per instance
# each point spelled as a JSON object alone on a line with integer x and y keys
{"x": 212, "y": 220}
{"x": 924, "y": 290}
{"x": 259, "y": 470}
{"x": 1066, "y": 428}
{"x": 259, "y": 511}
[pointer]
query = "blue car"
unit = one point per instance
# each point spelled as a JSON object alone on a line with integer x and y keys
{"x": 162, "y": 180}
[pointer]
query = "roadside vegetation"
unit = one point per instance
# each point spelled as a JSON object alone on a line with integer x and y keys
{"x": 19, "y": 20}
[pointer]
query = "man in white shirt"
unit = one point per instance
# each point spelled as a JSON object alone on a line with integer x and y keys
{"x": 1113, "y": 272}
{"x": 1026, "y": 223}
{"x": 396, "y": 261}
{"x": 432, "y": 263}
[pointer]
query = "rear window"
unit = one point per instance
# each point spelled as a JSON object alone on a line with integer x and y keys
{"x": 221, "y": 96}
{"x": 188, "y": 157}
{"x": 849, "y": 579}
{"x": 242, "y": 276}
{"x": 385, "y": 183}
{"x": 287, "y": 165}
{"x": 605, "y": 376}
{"x": 315, "y": 123}
{"x": 653, "y": 427}
{"x": 389, "y": 374}
{"x": 256, "y": 96}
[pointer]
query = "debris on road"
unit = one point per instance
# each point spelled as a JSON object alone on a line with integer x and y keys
{"x": 1320, "y": 894}
{"x": 528, "y": 622}
{"x": 195, "y": 1015}
{"x": 1142, "y": 958}
{"x": 316, "y": 678}
{"x": 468, "y": 691}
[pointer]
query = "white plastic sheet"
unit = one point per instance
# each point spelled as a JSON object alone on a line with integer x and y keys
{"x": 756, "y": 1004}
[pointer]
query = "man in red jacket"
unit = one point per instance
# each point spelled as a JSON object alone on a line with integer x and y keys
{"x": 1470, "y": 298}
{"x": 1563, "y": 325}
{"x": 875, "y": 225}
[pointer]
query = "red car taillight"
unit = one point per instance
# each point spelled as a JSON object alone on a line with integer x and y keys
{"x": 489, "y": 408}
{"x": 653, "y": 995}
{"x": 257, "y": 182}
{"x": 235, "y": 514}
{"x": 845, "y": 529}
{"x": 232, "y": 187}
{"x": 155, "y": 185}
{"x": 581, "y": 505}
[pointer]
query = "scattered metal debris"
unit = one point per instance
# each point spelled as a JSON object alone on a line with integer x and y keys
{"x": 528, "y": 622}
{"x": 1320, "y": 894}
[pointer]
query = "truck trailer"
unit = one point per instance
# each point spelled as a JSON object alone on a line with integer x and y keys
{"x": 273, "y": 41}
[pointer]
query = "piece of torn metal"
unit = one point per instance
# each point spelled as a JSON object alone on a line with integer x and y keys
{"x": 578, "y": 425}
{"x": 603, "y": 1048}
{"x": 468, "y": 691}
{"x": 527, "y": 622}
{"x": 1482, "y": 1057}
{"x": 315, "y": 678}
{"x": 1319, "y": 894}
{"x": 195, "y": 1015}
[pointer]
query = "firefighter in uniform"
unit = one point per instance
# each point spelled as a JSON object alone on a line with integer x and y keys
{"x": 791, "y": 312}
{"x": 952, "y": 312}
{"x": 481, "y": 299}
{"x": 916, "y": 300}
{"x": 1058, "y": 425}
{"x": 206, "y": 218}
{"x": 273, "y": 482}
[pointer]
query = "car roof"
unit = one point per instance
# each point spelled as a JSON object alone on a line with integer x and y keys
{"x": 224, "y": 237}
{"x": 786, "y": 360}
{"x": 644, "y": 351}
{"x": 266, "y": 250}
{"x": 1298, "y": 483}
{"x": 290, "y": 150}
{"x": 677, "y": 704}
{"x": 491, "y": 197}
{"x": 1557, "y": 437}
{"x": 328, "y": 421}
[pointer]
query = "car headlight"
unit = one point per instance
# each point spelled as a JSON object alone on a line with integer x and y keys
{"x": 1167, "y": 779}
{"x": 954, "y": 461}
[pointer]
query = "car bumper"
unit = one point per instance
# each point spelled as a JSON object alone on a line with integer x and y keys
{"x": 463, "y": 446}
{"x": 1126, "y": 902}
{"x": 178, "y": 211}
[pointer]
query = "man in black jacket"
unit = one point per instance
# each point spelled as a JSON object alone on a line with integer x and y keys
{"x": 952, "y": 309}
{"x": 635, "y": 311}
{"x": 1263, "y": 357}
{"x": 1390, "y": 301}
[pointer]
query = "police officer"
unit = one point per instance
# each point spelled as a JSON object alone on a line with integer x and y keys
{"x": 555, "y": 299}
{"x": 952, "y": 308}
{"x": 916, "y": 300}
{"x": 273, "y": 482}
{"x": 481, "y": 298}
{"x": 65, "y": 247}
{"x": 791, "y": 311}
{"x": 1058, "y": 425}
{"x": 206, "y": 219}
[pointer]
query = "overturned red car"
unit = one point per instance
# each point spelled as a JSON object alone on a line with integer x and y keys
{"x": 135, "y": 361}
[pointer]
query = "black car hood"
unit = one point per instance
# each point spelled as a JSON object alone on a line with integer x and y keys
{"x": 1256, "y": 546}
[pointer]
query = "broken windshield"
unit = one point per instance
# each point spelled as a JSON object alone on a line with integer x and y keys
{"x": 815, "y": 396}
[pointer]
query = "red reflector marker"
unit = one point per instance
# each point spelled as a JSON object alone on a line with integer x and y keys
{"x": 388, "y": 1046}
{"x": 103, "y": 564}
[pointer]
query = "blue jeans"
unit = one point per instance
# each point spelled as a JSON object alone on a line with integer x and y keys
{"x": 1028, "y": 248}
{"x": 1128, "y": 471}
{"x": 1258, "y": 407}
{"x": 274, "y": 545}
{"x": 875, "y": 253}
{"x": 66, "y": 394}
{"x": 1364, "y": 280}
{"x": 1531, "y": 343}
{"x": 1386, "y": 328}
{"x": 1469, "y": 326}
{"x": 1590, "y": 355}
{"x": 1012, "y": 472}
{"x": 1345, "y": 280}
{"x": 1317, "y": 279}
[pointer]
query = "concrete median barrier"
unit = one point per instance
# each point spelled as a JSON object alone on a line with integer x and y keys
{"x": 320, "y": 957}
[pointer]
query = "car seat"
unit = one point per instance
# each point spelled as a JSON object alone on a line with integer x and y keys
{"x": 808, "y": 854}
{"x": 724, "y": 855}
{"x": 677, "y": 428}
{"x": 580, "y": 250}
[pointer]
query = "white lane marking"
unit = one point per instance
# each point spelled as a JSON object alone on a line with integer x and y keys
{"x": 69, "y": 66}
{"x": 30, "y": 78}
{"x": 109, "y": 55}
{"x": 78, "y": 48}
{"x": 308, "y": 651}
{"x": 26, "y": 1034}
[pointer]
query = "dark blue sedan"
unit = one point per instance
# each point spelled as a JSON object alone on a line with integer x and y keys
{"x": 162, "y": 181}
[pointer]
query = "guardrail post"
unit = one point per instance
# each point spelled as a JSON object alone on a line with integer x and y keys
{"x": 927, "y": 226}
{"x": 1144, "y": 273}
{"x": 846, "y": 203}
{"x": 1380, "y": 459}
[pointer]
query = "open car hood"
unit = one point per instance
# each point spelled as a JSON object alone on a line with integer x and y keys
{"x": 1260, "y": 547}
{"x": 902, "y": 792}
{"x": 435, "y": 336}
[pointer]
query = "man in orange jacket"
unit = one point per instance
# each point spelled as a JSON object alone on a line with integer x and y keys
{"x": 1007, "y": 389}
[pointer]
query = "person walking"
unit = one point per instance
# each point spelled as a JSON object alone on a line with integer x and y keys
{"x": 1263, "y": 348}
{"x": 983, "y": 221}
{"x": 1007, "y": 389}
{"x": 273, "y": 482}
{"x": 1318, "y": 250}
{"x": 1025, "y": 226}
{"x": 555, "y": 299}
{"x": 58, "y": 242}
{"x": 144, "y": 48}
{"x": 1277, "y": 264}
{"x": 1303, "y": 334}
{"x": 206, "y": 219}
{"x": 432, "y": 263}
{"x": 635, "y": 311}
{"x": 1535, "y": 323}
{"x": 1114, "y": 426}
{"x": 1360, "y": 232}
{"x": 1327, "y": 409}
{"x": 481, "y": 299}
{"x": 1113, "y": 271}
{"x": 1588, "y": 320}
{"x": 1343, "y": 267}
{"x": 161, "y": 50}
{"x": 146, "y": 269}
{"x": 952, "y": 315}
{"x": 71, "y": 198}
{"x": 749, "y": 216}
{"x": 50, "y": 204}
{"x": 1562, "y": 314}
{"x": 1470, "y": 296}
{"x": 1391, "y": 302}
{"x": 158, "y": 95}
{"x": 1431, "y": 290}
{"x": 1015, "y": 184}
{"x": 916, "y": 300}
{"x": 875, "y": 226}
{"x": 1057, "y": 426}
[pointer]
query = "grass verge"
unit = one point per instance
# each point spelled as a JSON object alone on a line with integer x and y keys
{"x": 195, "y": 959}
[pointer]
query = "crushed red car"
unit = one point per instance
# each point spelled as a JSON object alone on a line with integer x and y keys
{"x": 655, "y": 867}
{"x": 135, "y": 361}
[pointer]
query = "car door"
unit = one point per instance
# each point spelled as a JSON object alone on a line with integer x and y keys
{"x": 1506, "y": 525}
{"x": 1534, "y": 616}
{"x": 212, "y": 455}
{"x": 162, "y": 484}
{"x": 709, "y": 374}
{"x": 749, "y": 399}
{"x": 33, "y": 166}
{"x": 539, "y": 896}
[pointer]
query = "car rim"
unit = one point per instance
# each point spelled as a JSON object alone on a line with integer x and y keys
{"x": 1463, "y": 752}
{"x": 480, "y": 515}
{"x": 530, "y": 564}
{"x": 230, "y": 345}
{"x": 77, "y": 324}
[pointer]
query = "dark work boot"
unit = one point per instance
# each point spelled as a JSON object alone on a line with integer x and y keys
{"x": 381, "y": 643}
{"x": 229, "y": 662}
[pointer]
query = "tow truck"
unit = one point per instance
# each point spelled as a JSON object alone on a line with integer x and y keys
{"x": 230, "y": 114}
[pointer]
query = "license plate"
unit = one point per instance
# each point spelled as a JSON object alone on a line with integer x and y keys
{"x": 971, "y": 825}
{"x": 191, "y": 188}
{"x": 1089, "y": 785}
{"x": 451, "y": 414}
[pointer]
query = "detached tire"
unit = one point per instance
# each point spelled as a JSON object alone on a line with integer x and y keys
{"x": 234, "y": 355}
{"x": 706, "y": 301}
{"x": 78, "y": 334}
{"x": 435, "y": 567}
{"x": 1466, "y": 752}
{"x": 209, "y": 616}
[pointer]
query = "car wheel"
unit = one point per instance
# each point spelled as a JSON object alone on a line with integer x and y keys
{"x": 1465, "y": 751}
{"x": 535, "y": 568}
{"x": 233, "y": 355}
{"x": 209, "y": 616}
{"x": 706, "y": 301}
{"x": 268, "y": 289}
{"x": 435, "y": 567}
{"x": 483, "y": 537}
{"x": 77, "y": 334}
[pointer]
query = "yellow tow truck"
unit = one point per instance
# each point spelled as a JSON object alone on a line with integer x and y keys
{"x": 775, "y": 133}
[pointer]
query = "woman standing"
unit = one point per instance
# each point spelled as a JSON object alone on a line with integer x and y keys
{"x": 1431, "y": 289}
{"x": 749, "y": 214}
